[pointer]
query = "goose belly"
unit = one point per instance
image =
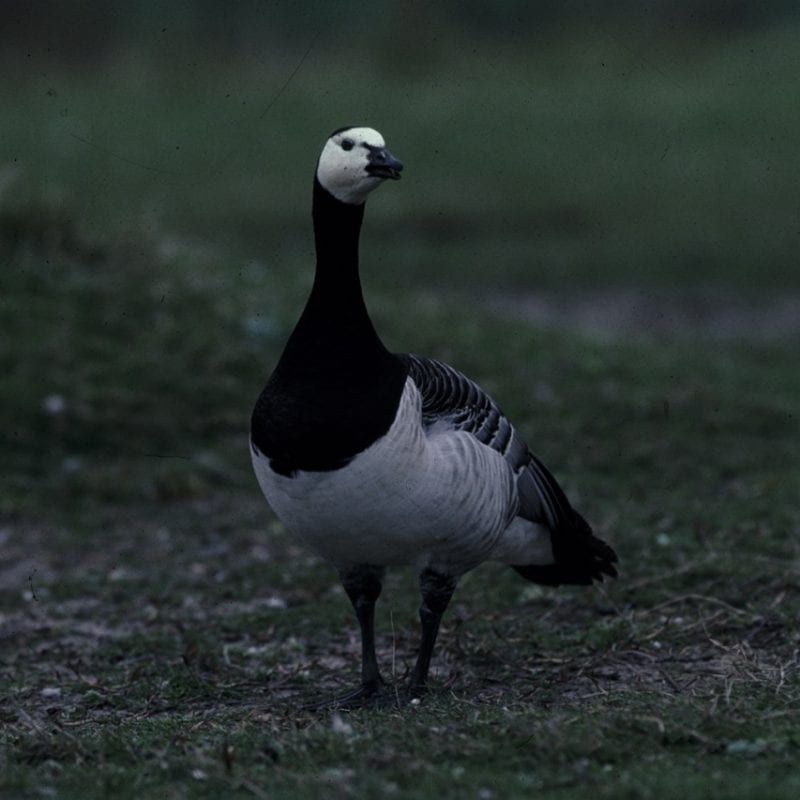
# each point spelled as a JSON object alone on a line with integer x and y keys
{"x": 440, "y": 501}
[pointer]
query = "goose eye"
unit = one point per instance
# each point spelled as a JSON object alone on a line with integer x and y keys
{"x": 348, "y": 144}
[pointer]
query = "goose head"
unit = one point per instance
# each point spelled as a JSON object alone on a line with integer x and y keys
{"x": 355, "y": 161}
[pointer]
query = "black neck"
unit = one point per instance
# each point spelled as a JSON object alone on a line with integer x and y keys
{"x": 336, "y": 387}
{"x": 337, "y": 227}
{"x": 335, "y": 316}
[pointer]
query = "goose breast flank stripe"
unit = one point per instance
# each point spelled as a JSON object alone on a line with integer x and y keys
{"x": 377, "y": 459}
{"x": 408, "y": 498}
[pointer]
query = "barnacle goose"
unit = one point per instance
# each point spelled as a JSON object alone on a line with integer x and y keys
{"x": 376, "y": 459}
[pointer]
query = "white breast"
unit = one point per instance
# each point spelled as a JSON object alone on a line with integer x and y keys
{"x": 439, "y": 500}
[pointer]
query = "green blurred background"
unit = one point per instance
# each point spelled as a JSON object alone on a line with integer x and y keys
{"x": 552, "y": 142}
{"x": 624, "y": 169}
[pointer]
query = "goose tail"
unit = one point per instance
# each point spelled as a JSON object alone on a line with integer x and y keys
{"x": 579, "y": 557}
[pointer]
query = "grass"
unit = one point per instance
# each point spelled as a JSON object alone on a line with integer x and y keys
{"x": 161, "y": 632}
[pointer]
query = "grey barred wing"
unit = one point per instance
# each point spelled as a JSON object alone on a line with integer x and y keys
{"x": 451, "y": 401}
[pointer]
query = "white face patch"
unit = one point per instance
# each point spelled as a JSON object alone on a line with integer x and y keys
{"x": 342, "y": 167}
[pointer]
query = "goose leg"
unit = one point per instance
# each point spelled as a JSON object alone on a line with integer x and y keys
{"x": 363, "y": 585}
{"x": 436, "y": 589}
